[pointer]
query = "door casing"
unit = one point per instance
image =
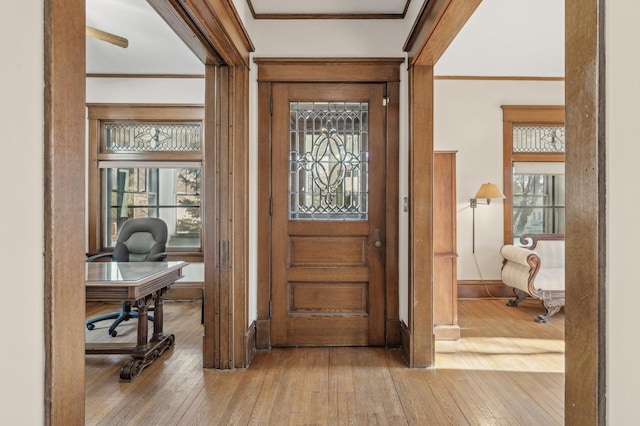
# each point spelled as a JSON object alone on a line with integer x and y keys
{"x": 342, "y": 70}
{"x": 327, "y": 283}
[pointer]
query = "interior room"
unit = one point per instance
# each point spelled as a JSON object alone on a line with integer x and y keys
{"x": 223, "y": 306}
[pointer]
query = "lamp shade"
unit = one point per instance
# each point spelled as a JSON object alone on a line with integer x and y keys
{"x": 488, "y": 191}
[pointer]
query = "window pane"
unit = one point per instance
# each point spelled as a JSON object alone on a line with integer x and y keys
{"x": 171, "y": 194}
{"x": 538, "y": 204}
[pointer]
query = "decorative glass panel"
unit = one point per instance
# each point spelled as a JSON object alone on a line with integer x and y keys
{"x": 171, "y": 194}
{"x": 538, "y": 139}
{"x": 328, "y": 175}
{"x": 126, "y": 137}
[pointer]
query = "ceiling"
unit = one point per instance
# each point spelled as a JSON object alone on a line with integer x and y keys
{"x": 318, "y": 9}
{"x": 153, "y": 47}
{"x": 502, "y": 37}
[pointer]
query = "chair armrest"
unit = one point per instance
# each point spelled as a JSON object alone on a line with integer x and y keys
{"x": 519, "y": 268}
{"x": 98, "y": 256}
{"x": 517, "y": 254}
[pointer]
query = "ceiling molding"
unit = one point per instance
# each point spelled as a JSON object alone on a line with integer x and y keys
{"x": 365, "y": 70}
{"x": 318, "y": 15}
{"x": 496, "y": 77}
{"x": 211, "y": 28}
{"x": 129, "y": 75}
{"x": 439, "y": 21}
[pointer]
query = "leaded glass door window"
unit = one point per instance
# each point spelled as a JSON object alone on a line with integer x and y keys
{"x": 329, "y": 160}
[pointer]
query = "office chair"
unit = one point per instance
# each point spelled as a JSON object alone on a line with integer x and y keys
{"x": 140, "y": 240}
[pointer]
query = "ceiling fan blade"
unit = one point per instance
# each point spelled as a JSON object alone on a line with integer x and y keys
{"x": 108, "y": 37}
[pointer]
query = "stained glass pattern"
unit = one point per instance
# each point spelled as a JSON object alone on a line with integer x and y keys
{"x": 538, "y": 139}
{"x": 329, "y": 160}
{"x": 125, "y": 137}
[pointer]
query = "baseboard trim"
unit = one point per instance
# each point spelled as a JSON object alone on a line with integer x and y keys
{"x": 393, "y": 333}
{"x": 263, "y": 334}
{"x": 250, "y": 344}
{"x": 476, "y": 289}
{"x": 446, "y": 332}
{"x": 405, "y": 341}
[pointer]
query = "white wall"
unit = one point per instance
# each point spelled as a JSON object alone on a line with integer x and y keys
{"x": 21, "y": 118}
{"x": 623, "y": 205}
{"x": 468, "y": 119}
{"x": 509, "y": 38}
{"x": 329, "y": 38}
{"x": 146, "y": 90}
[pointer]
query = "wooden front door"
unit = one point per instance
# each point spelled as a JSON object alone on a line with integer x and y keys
{"x": 328, "y": 215}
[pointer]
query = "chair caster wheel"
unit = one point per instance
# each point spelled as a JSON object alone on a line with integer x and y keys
{"x": 113, "y": 333}
{"x": 91, "y": 326}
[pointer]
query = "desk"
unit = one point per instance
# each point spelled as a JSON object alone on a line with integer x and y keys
{"x": 140, "y": 283}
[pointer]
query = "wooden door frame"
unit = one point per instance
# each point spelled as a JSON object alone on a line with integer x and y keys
{"x": 437, "y": 24}
{"x": 64, "y": 138}
{"x": 331, "y": 70}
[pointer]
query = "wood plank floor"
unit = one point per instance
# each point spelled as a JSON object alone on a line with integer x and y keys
{"x": 505, "y": 370}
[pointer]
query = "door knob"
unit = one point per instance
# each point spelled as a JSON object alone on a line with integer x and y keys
{"x": 376, "y": 238}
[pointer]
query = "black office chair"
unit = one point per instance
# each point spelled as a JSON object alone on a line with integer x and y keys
{"x": 140, "y": 240}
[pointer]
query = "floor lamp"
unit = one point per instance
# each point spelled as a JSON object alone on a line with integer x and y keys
{"x": 487, "y": 191}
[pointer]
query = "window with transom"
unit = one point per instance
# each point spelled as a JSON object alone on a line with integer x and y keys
{"x": 534, "y": 178}
{"x": 146, "y": 161}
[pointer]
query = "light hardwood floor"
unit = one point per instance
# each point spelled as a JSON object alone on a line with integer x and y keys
{"x": 505, "y": 370}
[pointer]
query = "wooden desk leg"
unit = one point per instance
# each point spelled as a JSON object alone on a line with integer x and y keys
{"x": 158, "y": 315}
{"x": 146, "y": 350}
{"x": 143, "y": 330}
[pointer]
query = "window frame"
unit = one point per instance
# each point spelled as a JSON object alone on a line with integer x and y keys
{"x": 524, "y": 115}
{"x": 100, "y": 115}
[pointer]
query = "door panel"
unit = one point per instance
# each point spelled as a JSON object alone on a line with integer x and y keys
{"x": 328, "y": 297}
{"x": 328, "y": 251}
{"x": 328, "y": 175}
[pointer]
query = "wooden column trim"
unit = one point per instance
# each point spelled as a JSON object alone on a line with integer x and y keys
{"x": 239, "y": 181}
{"x": 64, "y": 172}
{"x": 227, "y": 328}
{"x": 210, "y": 218}
{"x": 420, "y": 326}
{"x": 263, "y": 324}
{"x": 392, "y": 216}
{"x": 586, "y": 219}
{"x": 224, "y": 307}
